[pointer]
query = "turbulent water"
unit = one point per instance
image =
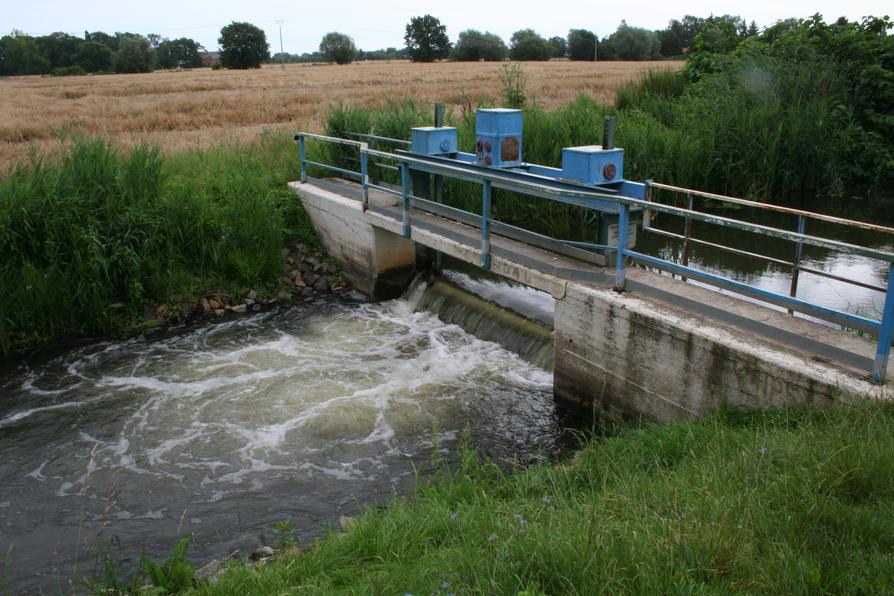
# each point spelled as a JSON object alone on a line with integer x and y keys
{"x": 224, "y": 429}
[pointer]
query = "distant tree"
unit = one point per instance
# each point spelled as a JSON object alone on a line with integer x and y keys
{"x": 175, "y": 53}
{"x": 94, "y": 56}
{"x": 58, "y": 48}
{"x": 581, "y": 44}
{"x": 134, "y": 54}
{"x": 104, "y": 38}
{"x": 20, "y": 56}
{"x": 155, "y": 40}
{"x": 630, "y": 43}
{"x": 724, "y": 33}
{"x": 426, "y": 39}
{"x": 472, "y": 46}
{"x": 243, "y": 45}
{"x": 527, "y": 44}
{"x": 558, "y": 47}
{"x": 679, "y": 37}
{"x": 338, "y": 48}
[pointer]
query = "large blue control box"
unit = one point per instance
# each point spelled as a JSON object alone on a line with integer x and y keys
{"x": 592, "y": 164}
{"x": 431, "y": 140}
{"x": 498, "y": 134}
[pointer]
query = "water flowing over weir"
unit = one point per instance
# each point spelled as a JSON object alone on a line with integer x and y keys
{"x": 309, "y": 412}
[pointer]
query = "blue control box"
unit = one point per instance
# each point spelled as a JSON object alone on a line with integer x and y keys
{"x": 498, "y": 133}
{"x": 592, "y": 164}
{"x": 431, "y": 140}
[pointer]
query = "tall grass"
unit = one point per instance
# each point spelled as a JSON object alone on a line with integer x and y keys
{"x": 772, "y": 502}
{"x": 91, "y": 238}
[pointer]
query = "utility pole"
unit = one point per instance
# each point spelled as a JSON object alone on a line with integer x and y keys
{"x": 282, "y": 55}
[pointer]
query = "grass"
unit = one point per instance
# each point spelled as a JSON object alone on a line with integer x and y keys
{"x": 199, "y": 108}
{"x": 91, "y": 238}
{"x": 797, "y": 502}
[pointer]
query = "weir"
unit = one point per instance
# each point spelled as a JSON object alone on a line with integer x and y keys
{"x": 628, "y": 341}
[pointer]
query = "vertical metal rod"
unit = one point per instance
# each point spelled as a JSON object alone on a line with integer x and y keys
{"x": 647, "y": 213}
{"x": 485, "y": 225}
{"x": 364, "y": 177}
{"x": 302, "y": 156}
{"x": 439, "y": 115}
{"x": 405, "y": 196}
{"x": 886, "y": 334}
{"x": 687, "y": 233}
{"x": 621, "y": 256}
{"x": 796, "y": 264}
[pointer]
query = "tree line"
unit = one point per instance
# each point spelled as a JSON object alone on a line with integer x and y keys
{"x": 244, "y": 45}
{"x": 426, "y": 40}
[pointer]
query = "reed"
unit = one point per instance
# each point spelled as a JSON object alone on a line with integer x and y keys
{"x": 92, "y": 238}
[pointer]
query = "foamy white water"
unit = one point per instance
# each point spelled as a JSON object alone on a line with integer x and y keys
{"x": 225, "y": 429}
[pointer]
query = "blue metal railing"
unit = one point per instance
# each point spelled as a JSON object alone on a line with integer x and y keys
{"x": 883, "y": 328}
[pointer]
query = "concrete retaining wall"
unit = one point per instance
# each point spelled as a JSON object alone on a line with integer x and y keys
{"x": 379, "y": 263}
{"x": 620, "y": 355}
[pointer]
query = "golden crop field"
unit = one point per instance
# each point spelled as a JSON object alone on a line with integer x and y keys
{"x": 194, "y": 108}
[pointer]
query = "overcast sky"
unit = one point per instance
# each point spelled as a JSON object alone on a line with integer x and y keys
{"x": 376, "y": 24}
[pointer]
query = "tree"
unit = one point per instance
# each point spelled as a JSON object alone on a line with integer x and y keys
{"x": 426, "y": 39}
{"x": 20, "y": 56}
{"x": 134, "y": 54}
{"x": 527, "y": 44}
{"x": 338, "y": 48}
{"x": 94, "y": 56}
{"x": 679, "y": 37}
{"x": 104, "y": 38}
{"x": 243, "y": 45}
{"x": 630, "y": 43}
{"x": 558, "y": 48}
{"x": 183, "y": 52}
{"x": 472, "y": 46}
{"x": 58, "y": 48}
{"x": 581, "y": 44}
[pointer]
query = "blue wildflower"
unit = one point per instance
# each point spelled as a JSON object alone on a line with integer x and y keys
{"x": 762, "y": 450}
{"x": 445, "y": 586}
{"x": 547, "y": 500}
{"x": 454, "y": 516}
{"x": 492, "y": 537}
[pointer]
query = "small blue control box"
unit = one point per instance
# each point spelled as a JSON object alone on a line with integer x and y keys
{"x": 498, "y": 134}
{"x": 592, "y": 164}
{"x": 431, "y": 140}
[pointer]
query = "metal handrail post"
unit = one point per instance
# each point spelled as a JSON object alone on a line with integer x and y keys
{"x": 405, "y": 196}
{"x": 687, "y": 232}
{"x": 485, "y": 224}
{"x": 621, "y": 256}
{"x": 886, "y": 333}
{"x": 796, "y": 264}
{"x": 302, "y": 156}
{"x": 364, "y": 179}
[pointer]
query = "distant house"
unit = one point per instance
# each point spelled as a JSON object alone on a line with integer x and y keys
{"x": 209, "y": 58}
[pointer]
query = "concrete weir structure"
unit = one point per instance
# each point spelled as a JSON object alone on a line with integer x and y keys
{"x": 662, "y": 350}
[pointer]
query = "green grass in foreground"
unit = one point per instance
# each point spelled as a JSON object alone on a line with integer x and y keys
{"x": 779, "y": 502}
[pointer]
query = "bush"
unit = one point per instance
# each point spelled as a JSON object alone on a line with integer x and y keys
{"x": 93, "y": 56}
{"x": 68, "y": 71}
{"x": 630, "y": 43}
{"x": 134, "y": 55}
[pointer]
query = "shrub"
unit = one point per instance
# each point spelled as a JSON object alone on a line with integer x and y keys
{"x": 67, "y": 71}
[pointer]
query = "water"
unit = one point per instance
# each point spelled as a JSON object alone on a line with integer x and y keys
{"x": 776, "y": 278}
{"x": 224, "y": 429}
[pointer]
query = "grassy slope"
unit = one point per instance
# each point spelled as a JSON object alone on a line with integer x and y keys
{"x": 779, "y": 502}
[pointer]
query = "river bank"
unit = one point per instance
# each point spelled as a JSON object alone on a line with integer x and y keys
{"x": 782, "y": 501}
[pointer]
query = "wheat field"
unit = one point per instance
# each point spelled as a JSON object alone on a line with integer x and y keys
{"x": 196, "y": 108}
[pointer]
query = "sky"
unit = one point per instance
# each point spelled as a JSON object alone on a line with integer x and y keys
{"x": 376, "y": 24}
